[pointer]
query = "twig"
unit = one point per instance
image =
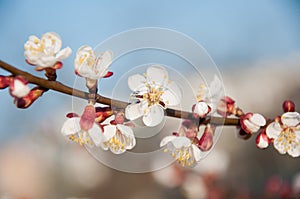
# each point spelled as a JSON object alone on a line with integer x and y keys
{"x": 59, "y": 87}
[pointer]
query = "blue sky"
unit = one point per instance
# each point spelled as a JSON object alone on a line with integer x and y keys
{"x": 232, "y": 32}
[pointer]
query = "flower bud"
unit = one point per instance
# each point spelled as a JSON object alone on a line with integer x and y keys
{"x": 251, "y": 122}
{"x": 5, "y": 81}
{"x": 201, "y": 109}
{"x": 26, "y": 101}
{"x": 87, "y": 119}
{"x": 262, "y": 140}
{"x": 226, "y": 106}
{"x": 206, "y": 141}
{"x": 288, "y": 106}
{"x": 18, "y": 87}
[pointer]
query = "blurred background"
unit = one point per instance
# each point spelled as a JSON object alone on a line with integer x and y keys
{"x": 256, "y": 46}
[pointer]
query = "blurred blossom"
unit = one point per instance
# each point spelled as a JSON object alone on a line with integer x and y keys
{"x": 83, "y": 171}
{"x": 193, "y": 187}
{"x": 170, "y": 177}
{"x": 23, "y": 173}
{"x": 296, "y": 185}
{"x": 215, "y": 163}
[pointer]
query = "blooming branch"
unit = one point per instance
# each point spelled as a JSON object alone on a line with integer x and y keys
{"x": 61, "y": 88}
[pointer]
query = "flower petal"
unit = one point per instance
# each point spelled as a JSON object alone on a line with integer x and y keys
{"x": 109, "y": 131}
{"x": 133, "y": 111}
{"x": 154, "y": 117}
{"x": 52, "y": 42}
{"x": 273, "y": 130}
{"x": 197, "y": 152}
{"x": 128, "y": 132}
{"x": 71, "y": 126}
{"x": 172, "y": 96}
{"x": 279, "y": 146}
{"x": 258, "y": 119}
{"x": 166, "y": 140}
{"x": 64, "y": 53}
{"x": 290, "y": 119}
{"x": 294, "y": 151}
{"x": 250, "y": 127}
{"x": 135, "y": 82}
{"x": 125, "y": 130}
{"x": 96, "y": 134}
{"x": 181, "y": 142}
{"x": 157, "y": 74}
{"x": 103, "y": 62}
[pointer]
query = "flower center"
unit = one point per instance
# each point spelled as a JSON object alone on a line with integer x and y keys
{"x": 81, "y": 138}
{"x": 288, "y": 138}
{"x": 183, "y": 156}
{"x": 153, "y": 95}
{"x": 117, "y": 142}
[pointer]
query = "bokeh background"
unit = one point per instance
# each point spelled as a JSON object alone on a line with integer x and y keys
{"x": 256, "y": 46}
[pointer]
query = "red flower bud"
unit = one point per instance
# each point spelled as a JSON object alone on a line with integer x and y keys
{"x": 206, "y": 141}
{"x": 262, "y": 140}
{"x": 5, "y": 81}
{"x": 87, "y": 119}
{"x": 288, "y": 106}
{"x": 26, "y": 101}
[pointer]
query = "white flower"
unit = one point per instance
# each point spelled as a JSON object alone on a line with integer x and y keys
{"x": 89, "y": 65}
{"x": 182, "y": 149}
{"x": 71, "y": 129}
{"x": 152, "y": 93}
{"x": 18, "y": 87}
{"x": 45, "y": 52}
{"x": 286, "y": 134}
{"x": 118, "y": 138}
{"x": 84, "y": 129}
{"x": 251, "y": 122}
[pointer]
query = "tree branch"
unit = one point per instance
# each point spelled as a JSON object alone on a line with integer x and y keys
{"x": 59, "y": 87}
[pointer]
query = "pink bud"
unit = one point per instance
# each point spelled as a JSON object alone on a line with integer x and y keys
{"x": 226, "y": 106}
{"x": 87, "y": 119}
{"x": 26, "y": 101}
{"x": 288, "y": 106}
{"x": 18, "y": 87}
{"x": 5, "y": 81}
{"x": 206, "y": 141}
{"x": 251, "y": 122}
{"x": 201, "y": 109}
{"x": 262, "y": 140}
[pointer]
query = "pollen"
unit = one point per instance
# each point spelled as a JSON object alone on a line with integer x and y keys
{"x": 184, "y": 156}
{"x": 153, "y": 96}
{"x": 118, "y": 142}
{"x": 288, "y": 139}
{"x": 81, "y": 138}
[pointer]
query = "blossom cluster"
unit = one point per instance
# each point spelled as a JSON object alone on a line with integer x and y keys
{"x": 152, "y": 93}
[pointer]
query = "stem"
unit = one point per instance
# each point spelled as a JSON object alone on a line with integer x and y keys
{"x": 59, "y": 87}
